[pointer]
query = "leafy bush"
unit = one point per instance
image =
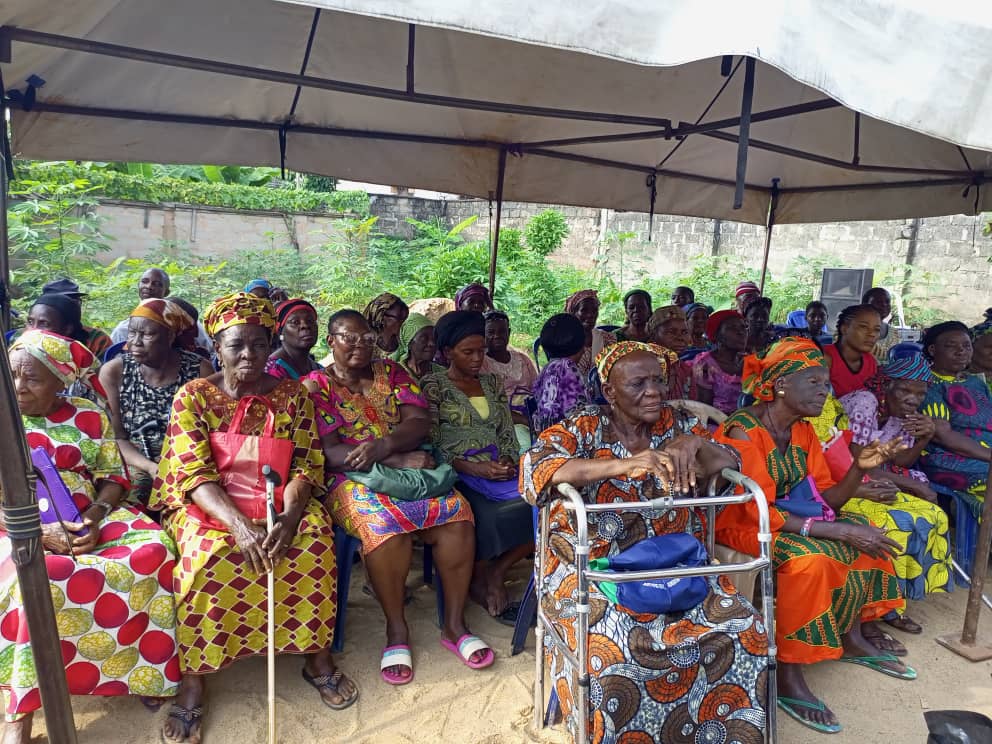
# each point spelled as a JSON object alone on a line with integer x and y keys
{"x": 545, "y": 232}
{"x": 163, "y": 188}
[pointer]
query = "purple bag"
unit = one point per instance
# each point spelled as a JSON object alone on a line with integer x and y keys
{"x": 54, "y": 500}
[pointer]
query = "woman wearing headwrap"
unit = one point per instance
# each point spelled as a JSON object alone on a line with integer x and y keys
{"x": 473, "y": 297}
{"x": 560, "y": 387}
{"x": 717, "y": 373}
{"x": 667, "y": 328}
{"x": 981, "y": 356}
{"x": 259, "y": 288}
{"x": 473, "y": 432}
{"x": 513, "y": 367}
{"x": 654, "y": 677}
{"x": 220, "y": 581}
{"x": 385, "y": 315}
{"x": 371, "y": 413}
{"x": 637, "y": 308}
{"x": 296, "y": 328}
{"x": 961, "y": 407}
{"x": 904, "y": 505}
{"x": 584, "y": 305}
{"x": 142, "y": 382}
{"x": 123, "y": 575}
{"x": 416, "y": 349}
{"x": 832, "y": 574}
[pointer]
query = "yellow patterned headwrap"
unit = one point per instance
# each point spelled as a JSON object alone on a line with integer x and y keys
{"x": 164, "y": 312}
{"x": 237, "y": 309}
{"x": 610, "y": 355}
{"x": 66, "y": 358}
{"x": 785, "y": 357}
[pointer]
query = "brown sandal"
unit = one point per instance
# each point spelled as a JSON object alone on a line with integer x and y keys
{"x": 904, "y": 623}
{"x": 883, "y": 641}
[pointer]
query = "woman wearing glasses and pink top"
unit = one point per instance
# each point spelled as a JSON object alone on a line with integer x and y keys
{"x": 371, "y": 412}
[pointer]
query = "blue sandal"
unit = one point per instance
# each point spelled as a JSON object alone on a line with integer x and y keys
{"x": 876, "y": 663}
{"x": 789, "y": 705}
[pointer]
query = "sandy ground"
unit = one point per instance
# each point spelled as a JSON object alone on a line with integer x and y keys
{"x": 447, "y": 702}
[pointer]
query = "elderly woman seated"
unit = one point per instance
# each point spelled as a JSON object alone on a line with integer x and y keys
{"x": 681, "y": 676}
{"x": 109, "y": 567}
{"x": 832, "y": 573}
{"x": 472, "y": 431}
{"x": 386, "y": 314}
{"x": 142, "y": 382}
{"x": 584, "y": 305}
{"x": 667, "y": 328}
{"x": 372, "y": 417}
{"x": 417, "y": 349}
{"x": 215, "y": 511}
{"x": 297, "y": 329}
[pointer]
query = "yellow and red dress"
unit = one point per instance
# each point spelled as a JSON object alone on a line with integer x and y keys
{"x": 220, "y": 601}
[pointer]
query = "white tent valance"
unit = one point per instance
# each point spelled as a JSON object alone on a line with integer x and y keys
{"x": 857, "y": 110}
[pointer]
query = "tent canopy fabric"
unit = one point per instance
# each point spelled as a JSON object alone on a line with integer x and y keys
{"x": 860, "y": 110}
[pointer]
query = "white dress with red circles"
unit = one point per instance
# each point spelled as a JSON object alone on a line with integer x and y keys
{"x": 114, "y": 606}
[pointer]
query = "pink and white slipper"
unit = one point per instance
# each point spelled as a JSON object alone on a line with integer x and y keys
{"x": 467, "y": 645}
{"x": 398, "y": 655}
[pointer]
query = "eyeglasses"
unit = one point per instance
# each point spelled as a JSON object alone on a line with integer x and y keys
{"x": 357, "y": 339}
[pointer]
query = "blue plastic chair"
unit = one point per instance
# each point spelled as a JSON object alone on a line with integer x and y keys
{"x": 527, "y": 612}
{"x": 608, "y": 328}
{"x": 113, "y": 352}
{"x": 10, "y": 335}
{"x": 904, "y": 349}
{"x": 345, "y": 547}
{"x": 689, "y": 354}
{"x": 965, "y": 526}
{"x": 796, "y": 319}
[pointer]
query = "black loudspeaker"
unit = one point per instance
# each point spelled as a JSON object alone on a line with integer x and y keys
{"x": 842, "y": 287}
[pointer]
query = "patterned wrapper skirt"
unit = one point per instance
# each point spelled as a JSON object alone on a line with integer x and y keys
{"x": 374, "y": 517}
{"x": 115, "y": 614}
{"x": 221, "y": 602}
{"x": 920, "y": 528}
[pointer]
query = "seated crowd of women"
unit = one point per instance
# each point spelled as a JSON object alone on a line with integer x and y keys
{"x": 413, "y": 430}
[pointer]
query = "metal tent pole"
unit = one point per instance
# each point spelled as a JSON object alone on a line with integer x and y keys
{"x": 772, "y": 206}
{"x": 23, "y": 524}
{"x": 494, "y": 249}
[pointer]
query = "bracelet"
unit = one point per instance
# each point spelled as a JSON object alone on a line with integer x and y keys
{"x": 806, "y": 525}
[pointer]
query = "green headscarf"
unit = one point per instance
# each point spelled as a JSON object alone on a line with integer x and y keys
{"x": 414, "y": 323}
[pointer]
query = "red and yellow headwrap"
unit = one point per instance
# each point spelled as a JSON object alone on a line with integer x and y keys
{"x": 785, "y": 357}
{"x": 164, "y": 312}
{"x": 238, "y": 309}
{"x": 575, "y": 299}
{"x": 609, "y": 356}
{"x": 66, "y": 358}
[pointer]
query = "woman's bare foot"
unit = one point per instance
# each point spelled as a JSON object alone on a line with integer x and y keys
{"x": 792, "y": 684}
{"x": 182, "y": 724}
{"x": 322, "y": 664}
{"x": 19, "y": 731}
{"x": 855, "y": 644}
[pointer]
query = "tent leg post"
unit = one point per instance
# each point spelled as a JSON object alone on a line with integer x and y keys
{"x": 494, "y": 248}
{"x": 745, "y": 131}
{"x": 965, "y": 645}
{"x": 23, "y": 521}
{"x": 772, "y": 206}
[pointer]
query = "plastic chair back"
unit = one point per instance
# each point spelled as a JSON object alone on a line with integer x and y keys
{"x": 904, "y": 349}
{"x": 113, "y": 352}
{"x": 796, "y": 319}
{"x": 9, "y": 336}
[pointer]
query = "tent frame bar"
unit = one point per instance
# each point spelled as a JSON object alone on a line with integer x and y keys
{"x": 494, "y": 248}
{"x": 28, "y": 36}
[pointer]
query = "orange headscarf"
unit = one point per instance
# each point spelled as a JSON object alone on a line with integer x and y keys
{"x": 785, "y": 357}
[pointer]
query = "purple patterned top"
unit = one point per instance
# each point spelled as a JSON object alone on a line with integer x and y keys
{"x": 861, "y": 408}
{"x": 558, "y": 390}
{"x": 707, "y": 374}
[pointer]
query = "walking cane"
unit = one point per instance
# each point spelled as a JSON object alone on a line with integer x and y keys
{"x": 271, "y": 481}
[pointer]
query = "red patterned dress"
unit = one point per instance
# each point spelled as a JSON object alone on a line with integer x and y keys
{"x": 113, "y": 606}
{"x": 685, "y": 677}
{"x": 220, "y": 602}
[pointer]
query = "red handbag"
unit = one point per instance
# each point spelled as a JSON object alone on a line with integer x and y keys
{"x": 239, "y": 459}
{"x": 838, "y": 454}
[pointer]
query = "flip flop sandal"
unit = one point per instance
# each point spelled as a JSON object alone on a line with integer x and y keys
{"x": 187, "y": 717}
{"x": 398, "y": 655}
{"x": 789, "y": 705}
{"x": 876, "y": 663}
{"x": 905, "y": 623}
{"x": 331, "y": 682}
{"x": 467, "y": 645}
{"x": 509, "y": 615}
{"x": 892, "y": 646}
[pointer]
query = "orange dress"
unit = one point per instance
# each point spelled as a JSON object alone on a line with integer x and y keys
{"x": 823, "y": 585}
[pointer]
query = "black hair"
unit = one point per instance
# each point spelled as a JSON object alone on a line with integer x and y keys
{"x": 687, "y": 290}
{"x": 765, "y": 302}
{"x": 816, "y": 304}
{"x": 497, "y": 315}
{"x": 453, "y": 327}
{"x": 344, "y": 314}
{"x": 70, "y": 312}
{"x": 562, "y": 336}
{"x": 866, "y": 297}
{"x": 187, "y": 306}
{"x": 643, "y": 292}
{"x": 848, "y": 314}
{"x": 931, "y": 334}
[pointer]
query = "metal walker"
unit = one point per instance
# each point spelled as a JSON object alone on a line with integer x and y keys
{"x": 578, "y": 659}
